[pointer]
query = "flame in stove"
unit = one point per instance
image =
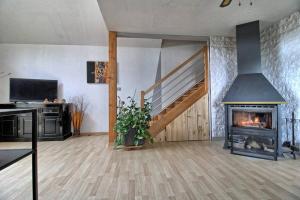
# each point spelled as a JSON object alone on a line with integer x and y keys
{"x": 252, "y": 119}
{"x": 252, "y": 123}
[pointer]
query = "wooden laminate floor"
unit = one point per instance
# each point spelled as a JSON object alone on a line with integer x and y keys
{"x": 86, "y": 168}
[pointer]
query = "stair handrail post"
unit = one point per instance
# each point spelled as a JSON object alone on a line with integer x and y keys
{"x": 206, "y": 76}
{"x": 142, "y": 99}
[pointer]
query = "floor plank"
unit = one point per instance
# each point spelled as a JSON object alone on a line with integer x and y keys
{"x": 87, "y": 168}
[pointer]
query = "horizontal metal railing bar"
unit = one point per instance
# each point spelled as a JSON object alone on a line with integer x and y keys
{"x": 168, "y": 91}
{"x": 187, "y": 76}
{"x": 162, "y": 108}
{"x": 170, "y": 97}
{"x": 172, "y": 80}
{"x": 175, "y": 70}
{"x": 164, "y": 100}
{"x": 180, "y": 78}
{"x": 188, "y": 66}
{"x": 173, "y": 94}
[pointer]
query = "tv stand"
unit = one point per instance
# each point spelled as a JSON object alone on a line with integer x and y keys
{"x": 53, "y": 122}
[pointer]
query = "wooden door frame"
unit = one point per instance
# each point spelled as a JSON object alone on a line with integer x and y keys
{"x": 113, "y": 72}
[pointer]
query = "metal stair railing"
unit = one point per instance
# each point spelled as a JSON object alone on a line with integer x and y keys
{"x": 177, "y": 82}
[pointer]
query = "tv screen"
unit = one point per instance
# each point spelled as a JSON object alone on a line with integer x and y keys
{"x": 32, "y": 89}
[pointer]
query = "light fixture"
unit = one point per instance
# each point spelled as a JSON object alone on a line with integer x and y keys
{"x": 251, "y": 3}
{"x": 225, "y": 3}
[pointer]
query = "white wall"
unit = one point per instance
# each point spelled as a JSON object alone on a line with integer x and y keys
{"x": 67, "y": 64}
{"x": 174, "y": 53}
{"x": 136, "y": 70}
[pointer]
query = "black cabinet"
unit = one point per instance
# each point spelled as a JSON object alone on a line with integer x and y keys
{"x": 25, "y": 126}
{"x": 53, "y": 122}
{"x": 50, "y": 126}
{"x": 9, "y": 127}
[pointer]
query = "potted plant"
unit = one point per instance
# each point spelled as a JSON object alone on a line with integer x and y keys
{"x": 132, "y": 124}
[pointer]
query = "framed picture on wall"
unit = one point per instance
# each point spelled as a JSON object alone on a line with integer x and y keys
{"x": 97, "y": 72}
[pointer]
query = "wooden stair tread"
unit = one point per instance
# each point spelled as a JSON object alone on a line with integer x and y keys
{"x": 181, "y": 98}
{"x": 168, "y": 109}
{"x": 161, "y": 120}
{"x": 176, "y": 108}
{"x": 155, "y": 118}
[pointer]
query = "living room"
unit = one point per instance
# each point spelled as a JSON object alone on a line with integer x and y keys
{"x": 149, "y": 100}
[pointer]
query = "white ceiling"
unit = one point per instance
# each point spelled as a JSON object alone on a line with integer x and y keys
{"x": 69, "y": 22}
{"x": 80, "y": 22}
{"x": 61, "y": 22}
{"x": 190, "y": 17}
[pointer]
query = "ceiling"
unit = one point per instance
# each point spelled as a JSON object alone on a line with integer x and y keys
{"x": 58, "y": 22}
{"x": 69, "y": 22}
{"x": 190, "y": 17}
{"x": 80, "y": 22}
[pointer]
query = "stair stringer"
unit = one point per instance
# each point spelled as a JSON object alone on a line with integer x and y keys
{"x": 159, "y": 125}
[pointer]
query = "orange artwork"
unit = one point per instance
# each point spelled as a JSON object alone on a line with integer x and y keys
{"x": 97, "y": 72}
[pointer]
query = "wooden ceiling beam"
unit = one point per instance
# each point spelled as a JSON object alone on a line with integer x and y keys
{"x": 163, "y": 37}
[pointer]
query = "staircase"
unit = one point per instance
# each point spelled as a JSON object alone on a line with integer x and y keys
{"x": 177, "y": 91}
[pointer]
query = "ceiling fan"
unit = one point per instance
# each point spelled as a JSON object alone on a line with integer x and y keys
{"x": 225, "y": 3}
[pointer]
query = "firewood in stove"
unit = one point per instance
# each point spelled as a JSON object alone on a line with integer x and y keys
{"x": 251, "y": 143}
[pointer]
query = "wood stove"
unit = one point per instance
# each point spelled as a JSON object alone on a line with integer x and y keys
{"x": 251, "y": 130}
{"x": 251, "y": 101}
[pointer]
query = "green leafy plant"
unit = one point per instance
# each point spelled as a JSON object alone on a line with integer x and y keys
{"x": 133, "y": 117}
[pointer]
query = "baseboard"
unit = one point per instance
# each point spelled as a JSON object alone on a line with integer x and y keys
{"x": 94, "y": 133}
{"x": 218, "y": 138}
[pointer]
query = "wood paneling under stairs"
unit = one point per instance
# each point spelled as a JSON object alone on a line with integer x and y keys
{"x": 169, "y": 114}
{"x": 192, "y": 124}
{"x": 198, "y": 120}
{"x": 177, "y": 130}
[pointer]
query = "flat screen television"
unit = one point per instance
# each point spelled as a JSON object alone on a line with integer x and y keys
{"x": 32, "y": 89}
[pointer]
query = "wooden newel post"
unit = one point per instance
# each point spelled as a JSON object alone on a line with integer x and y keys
{"x": 206, "y": 76}
{"x": 112, "y": 85}
{"x": 142, "y": 99}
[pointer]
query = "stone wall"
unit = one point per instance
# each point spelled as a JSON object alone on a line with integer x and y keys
{"x": 280, "y": 48}
{"x": 223, "y": 70}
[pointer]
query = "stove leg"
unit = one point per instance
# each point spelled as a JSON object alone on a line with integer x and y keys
{"x": 227, "y": 140}
{"x": 293, "y": 135}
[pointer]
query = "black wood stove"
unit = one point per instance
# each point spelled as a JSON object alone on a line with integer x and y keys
{"x": 252, "y": 130}
{"x": 251, "y": 102}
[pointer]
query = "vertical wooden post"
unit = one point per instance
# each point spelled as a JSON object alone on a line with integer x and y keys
{"x": 112, "y": 64}
{"x": 142, "y": 99}
{"x": 206, "y": 70}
